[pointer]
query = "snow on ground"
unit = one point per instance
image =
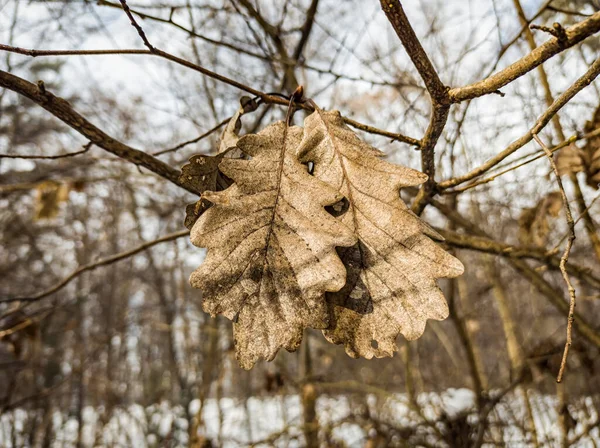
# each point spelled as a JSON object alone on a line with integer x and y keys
{"x": 235, "y": 422}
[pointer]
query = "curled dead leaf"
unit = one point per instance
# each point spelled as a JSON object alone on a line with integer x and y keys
{"x": 534, "y": 226}
{"x": 49, "y": 195}
{"x": 591, "y": 151}
{"x": 569, "y": 160}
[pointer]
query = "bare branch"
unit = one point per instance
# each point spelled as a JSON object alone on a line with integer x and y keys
{"x": 267, "y": 98}
{"x": 556, "y": 298}
{"x": 97, "y": 264}
{"x": 574, "y": 35}
{"x": 565, "y": 258}
{"x": 542, "y": 121}
{"x": 85, "y": 149}
{"x": 490, "y": 246}
{"x": 136, "y": 25}
{"x": 63, "y": 110}
{"x": 440, "y": 101}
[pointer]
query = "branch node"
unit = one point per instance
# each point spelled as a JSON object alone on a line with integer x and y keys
{"x": 41, "y": 87}
{"x": 556, "y": 30}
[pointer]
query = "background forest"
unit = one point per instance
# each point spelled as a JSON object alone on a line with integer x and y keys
{"x": 103, "y": 342}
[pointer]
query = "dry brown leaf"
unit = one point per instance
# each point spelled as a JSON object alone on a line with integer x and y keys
{"x": 49, "y": 195}
{"x": 201, "y": 174}
{"x": 569, "y": 160}
{"x": 592, "y": 152}
{"x": 230, "y": 135}
{"x": 393, "y": 268}
{"x": 271, "y": 246}
{"x": 534, "y": 226}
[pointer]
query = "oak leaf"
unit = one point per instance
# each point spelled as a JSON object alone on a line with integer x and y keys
{"x": 270, "y": 246}
{"x": 393, "y": 268}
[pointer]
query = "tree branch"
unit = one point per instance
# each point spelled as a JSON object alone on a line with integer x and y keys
{"x": 85, "y": 149}
{"x": 542, "y": 121}
{"x": 556, "y": 298}
{"x": 565, "y": 258}
{"x": 266, "y": 98}
{"x": 487, "y": 245}
{"x": 440, "y": 101}
{"x": 97, "y": 264}
{"x": 63, "y": 110}
{"x": 552, "y": 47}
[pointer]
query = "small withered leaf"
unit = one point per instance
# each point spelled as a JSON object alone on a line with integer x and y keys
{"x": 200, "y": 174}
{"x": 591, "y": 151}
{"x": 230, "y": 135}
{"x": 270, "y": 246}
{"x": 569, "y": 160}
{"x": 49, "y": 195}
{"x": 393, "y": 268}
{"x": 534, "y": 225}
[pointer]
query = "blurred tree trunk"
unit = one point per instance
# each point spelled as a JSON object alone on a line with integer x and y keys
{"x": 309, "y": 397}
{"x": 516, "y": 356}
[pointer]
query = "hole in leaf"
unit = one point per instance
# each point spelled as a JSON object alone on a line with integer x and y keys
{"x": 339, "y": 208}
{"x": 374, "y": 344}
{"x": 310, "y": 168}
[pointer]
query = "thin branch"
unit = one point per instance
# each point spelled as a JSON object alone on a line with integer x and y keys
{"x": 85, "y": 149}
{"x": 568, "y": 11}
{"x": 194, "y": 140}
{"x": 440, "y": 101}
{"x": 372, "y": 130}
{"x": 267, "y": 98}
{"x": 556, "y": 298}
{"x": 552, "y": 47}
{"x": 306, "y": 29}
{"x": 230, "y": 46}
{"x": 542, "y": 121}
{"x": 395, "y": 13}
{"x": 63, "y": 110}
{"x": 91, "y": 266}
{"x": 565, "y": 257}
{"x": 509, "y": 44}
{"x": 491, "y": 246}
{"x": 136, "y": 25}
{"x": 526, "y": 160}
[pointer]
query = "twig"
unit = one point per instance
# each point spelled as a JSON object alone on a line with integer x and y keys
{"x": 267, "y": 98}
{"x": 64, "y": 111}
{"x": 574, "y": 35}
{"x": 137, "y": 26}
{"x": 579, "y": 218}
{"x": 528, "y": 159}
{"x": 438, "y": 92}
{"x": 92, "y": 266}
{"x": 565, "y": 258}
{"x": 195, "y": 140}
{"x": 557, "y": 31}
{"x": 584, "y": 81}
{"x": 262, "y": 57}
{"x": 85, "y": 149}
{"x": 555, "y": 297}
{"x": 491, "y": 246}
